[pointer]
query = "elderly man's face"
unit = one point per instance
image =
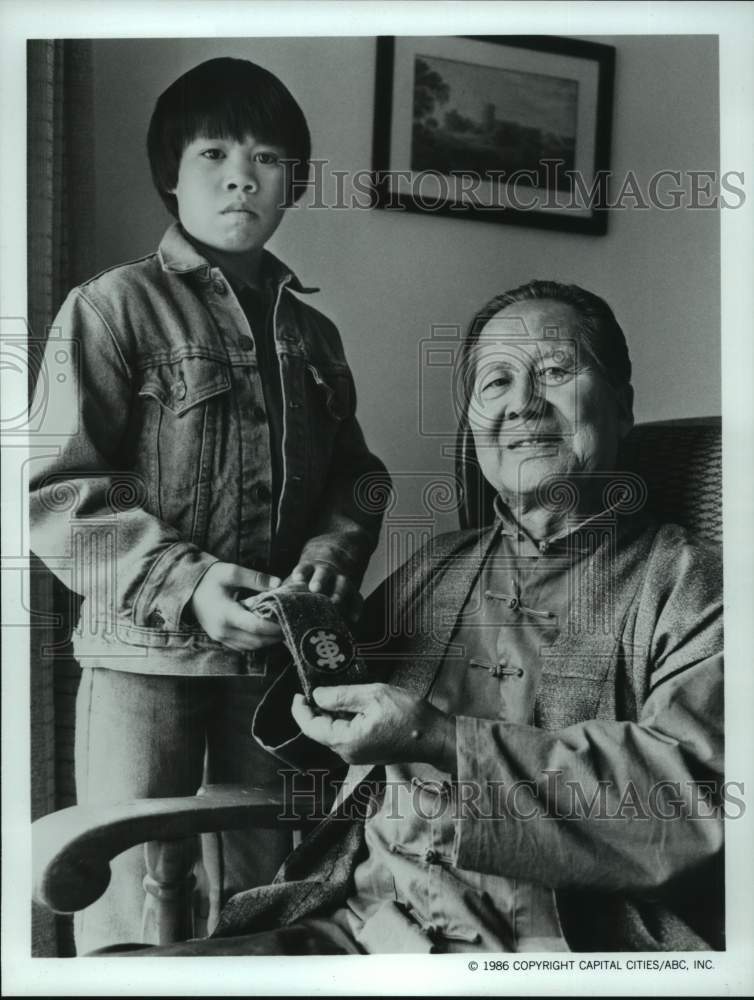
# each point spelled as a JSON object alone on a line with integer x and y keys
{"x": 539, "y": 407}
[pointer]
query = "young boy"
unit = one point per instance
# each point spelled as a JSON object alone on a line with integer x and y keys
{"x": 208, "y": 449}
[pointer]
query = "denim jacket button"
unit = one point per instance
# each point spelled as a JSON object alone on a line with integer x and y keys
{"x": 155, "y": 620}
{"x": 261, "y": 493}
{"x": 179, "y": 389}
{"x": 220, "y": 287}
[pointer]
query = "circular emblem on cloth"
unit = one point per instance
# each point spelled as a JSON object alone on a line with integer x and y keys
{"x": 327, "y": 650}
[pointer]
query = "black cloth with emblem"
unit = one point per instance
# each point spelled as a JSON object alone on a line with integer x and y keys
{"x": 319, "y": 641}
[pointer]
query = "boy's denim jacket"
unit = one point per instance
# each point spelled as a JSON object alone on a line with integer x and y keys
{"x": 155, "y": 455}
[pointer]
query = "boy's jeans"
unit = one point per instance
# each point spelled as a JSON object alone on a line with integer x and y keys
{"x": 144, "y": 736}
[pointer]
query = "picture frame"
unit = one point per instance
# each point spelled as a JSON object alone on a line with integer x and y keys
{"x": 496, "y": 128}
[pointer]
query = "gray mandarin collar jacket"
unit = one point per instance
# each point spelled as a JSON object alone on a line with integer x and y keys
{"x": 629, "y": 712}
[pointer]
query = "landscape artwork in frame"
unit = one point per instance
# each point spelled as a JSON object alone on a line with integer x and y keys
{"x": 503, "y": 129}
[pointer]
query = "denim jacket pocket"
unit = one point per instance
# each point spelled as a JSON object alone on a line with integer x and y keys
{"x": 182, "y": 384}
{"x": 336, "y": 388}
{"x": 329, "y": 404}
{"x": 183, "y": 413}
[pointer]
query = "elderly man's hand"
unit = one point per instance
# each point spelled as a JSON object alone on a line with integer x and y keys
{"x": 384, "y": 725}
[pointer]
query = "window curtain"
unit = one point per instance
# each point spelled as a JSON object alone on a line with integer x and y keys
{"x": 60, "y": 222}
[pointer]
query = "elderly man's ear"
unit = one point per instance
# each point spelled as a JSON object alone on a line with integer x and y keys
{"x": 625, "y": 397}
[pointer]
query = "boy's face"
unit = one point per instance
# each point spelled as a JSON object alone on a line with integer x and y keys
{"x": 231, "y": 195}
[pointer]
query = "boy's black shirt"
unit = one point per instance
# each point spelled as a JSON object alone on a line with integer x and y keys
{"x": 257, "y": 307}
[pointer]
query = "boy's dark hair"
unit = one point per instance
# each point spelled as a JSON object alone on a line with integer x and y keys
{"x": 226, "y": 98}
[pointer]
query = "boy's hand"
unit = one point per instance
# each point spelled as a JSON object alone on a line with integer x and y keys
{"x": 323, "y": 578}
{"x": 215, "y": 604}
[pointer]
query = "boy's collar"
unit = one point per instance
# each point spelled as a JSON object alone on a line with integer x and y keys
{"x": 179, "y": 256}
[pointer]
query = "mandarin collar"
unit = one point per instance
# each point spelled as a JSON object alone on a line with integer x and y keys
{"x": 509, "y": 526}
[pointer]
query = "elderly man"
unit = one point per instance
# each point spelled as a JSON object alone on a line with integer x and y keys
{"x": 540, "y": 766}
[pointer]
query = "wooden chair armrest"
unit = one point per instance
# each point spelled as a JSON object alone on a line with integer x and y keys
{"x": 72, "y": 848}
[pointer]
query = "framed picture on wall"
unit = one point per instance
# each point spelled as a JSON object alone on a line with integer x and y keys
{"x": 511, "y": 129}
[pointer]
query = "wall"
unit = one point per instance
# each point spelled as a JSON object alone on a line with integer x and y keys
{"x": 388, "y": 277}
